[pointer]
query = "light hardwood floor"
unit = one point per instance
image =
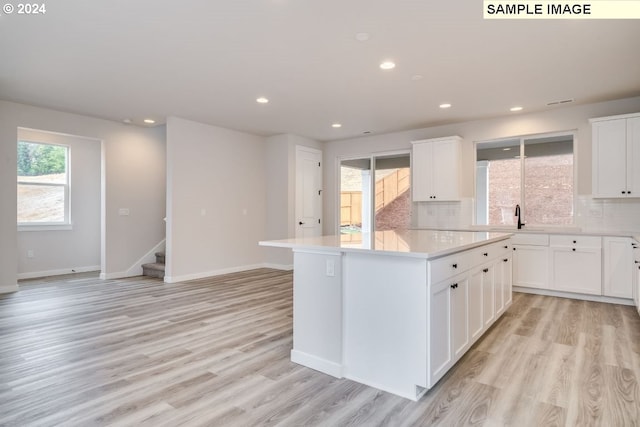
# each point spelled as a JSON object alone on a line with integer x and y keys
{"x": 77, "y": 351}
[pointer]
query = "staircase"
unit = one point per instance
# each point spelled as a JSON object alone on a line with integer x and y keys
{"x": 155, "y": 269}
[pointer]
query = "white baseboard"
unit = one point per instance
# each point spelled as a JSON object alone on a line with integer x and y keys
{"x": 584, "y": 297}
{"x": 8, "y": 289}
{"x": 285, "y": 267}
{"x": 37, "y": 274}
{"x": 314, "y": 362}
{"x": 205, "y": 274}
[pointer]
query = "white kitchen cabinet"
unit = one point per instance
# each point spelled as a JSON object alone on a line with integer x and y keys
{"x": 435, "y": 168}
{"x": 460, "y": 316}
{"x": 449, "y": 332}
{"x": 618, "y": 267}
{"x": 476, "y": 322}
{"x": 616, "y": 156}
{"x": 503, "y": 283}
{"x": 576, "y": 264}
{"x": 449, "y": 328}
{"x": 531, "y": 266}
{"x": 488, "y": 294}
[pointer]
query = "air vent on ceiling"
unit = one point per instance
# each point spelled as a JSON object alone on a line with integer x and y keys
{"x": 563, "y": 101}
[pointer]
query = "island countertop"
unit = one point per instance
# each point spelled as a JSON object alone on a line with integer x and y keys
{"x": 412, "y": 243}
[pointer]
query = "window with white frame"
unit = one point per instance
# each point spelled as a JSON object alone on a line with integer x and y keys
{"x": 43, "y": 184}
{"x": 534, "y": 172}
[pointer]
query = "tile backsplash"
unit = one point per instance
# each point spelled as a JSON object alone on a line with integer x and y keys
{"x": 595, "y": 215}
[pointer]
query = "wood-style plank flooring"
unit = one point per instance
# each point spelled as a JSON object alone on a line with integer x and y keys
{"x": 78, "y": 351}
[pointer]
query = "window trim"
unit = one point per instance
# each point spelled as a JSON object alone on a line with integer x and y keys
{"x": 66, "y": 224}
{"x": 573, "y": 133}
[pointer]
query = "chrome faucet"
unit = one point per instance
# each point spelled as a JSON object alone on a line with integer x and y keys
{"x": 520, "y": 224}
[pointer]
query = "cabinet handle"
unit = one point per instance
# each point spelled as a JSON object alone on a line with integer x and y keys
{"x": 486, "y": 270}
{"x": 574, "y": 242}
{"x": 514, "y": 249}
{"x": 454, "y": 265}
{"x": 574, "y": 249}
{"x": 455, "y": 285}
{"x": 486, "y": 254}
{"x": 637, "y": 262}
{"x": 506, "y": 247}
{"x": 505, "y": 260}
{"x": 624, "y": 192}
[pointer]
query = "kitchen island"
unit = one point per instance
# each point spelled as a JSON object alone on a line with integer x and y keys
{"x": 395, "y": 309}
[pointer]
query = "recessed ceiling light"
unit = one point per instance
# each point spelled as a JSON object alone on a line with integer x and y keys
{"x": 366, "y": 132}
{"x": 388, "y": 65}
{"x": 515, "y": 109}
{"x": 149, "y": 121}
{"x": 336, "y": 125}
{"x": 416, "y": 77}
{"x": 506, "y": 149}
{"x": 262, "y": 100}
{"x": 127, "y": 121}
{"x": 362, "y": 37}
{"x": 443, "y": 106}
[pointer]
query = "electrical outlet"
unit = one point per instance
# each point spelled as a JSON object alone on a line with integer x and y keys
{"x": 331, "y": 268}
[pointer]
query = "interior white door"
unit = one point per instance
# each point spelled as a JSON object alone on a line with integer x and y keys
{"x": 308, "y": 192}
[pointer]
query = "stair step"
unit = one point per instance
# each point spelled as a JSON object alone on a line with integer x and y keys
{"x": 154, "y": 269}
{"x": 160, "y": 258}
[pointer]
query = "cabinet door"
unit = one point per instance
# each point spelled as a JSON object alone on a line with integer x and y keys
{"x": 476, "y": 323}
{"x": 499, "y": 283}
{"x": 460, "y": 316}
{"x": 440, "y": 355}
{"x": 446, "y": 170}
{"x": 421, "y": 172}
{"x": 617, "y": 267}
{"x": 609, "y": 139}
{"x": 633, "y": 157}
{"x": 488, "y": 294}
{"x": 530, "y": 266}
{"x": 507, "y": 280}
{"x": 576, "y": 270}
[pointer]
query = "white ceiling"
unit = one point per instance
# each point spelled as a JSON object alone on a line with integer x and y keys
{"x": 209, "y": 60}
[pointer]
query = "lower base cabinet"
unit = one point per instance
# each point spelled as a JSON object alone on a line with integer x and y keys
{"x": 449, "y": 309}
{"x": 618, "y": 264}
{"x": 531, "y": 266}
{"x": 463, "y": 307}
{"x": 576, "y": 264}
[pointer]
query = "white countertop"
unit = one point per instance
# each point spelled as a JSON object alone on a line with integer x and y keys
{"x": 414, "y": 243}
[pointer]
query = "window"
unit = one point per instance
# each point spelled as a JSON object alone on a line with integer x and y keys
{"x": 375, "y": 194}
{"x": 533, "y": 172}
{"x": 43, "y": 184}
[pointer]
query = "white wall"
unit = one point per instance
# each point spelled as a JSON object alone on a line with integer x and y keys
{"x": 216, "y": 202}
{"x": 280, "y": 180}
{"x": 134, "y": 165}
{"x": 78, "y": 249}
{"x": 556, "y": 119}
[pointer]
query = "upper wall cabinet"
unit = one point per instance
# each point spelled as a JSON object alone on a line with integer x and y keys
{"x": 616, "y": 156}
{"x": 436, "y": 169}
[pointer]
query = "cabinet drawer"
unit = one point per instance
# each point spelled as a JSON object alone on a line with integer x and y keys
{"x": 488, "y": 252}
{"x": 574, "y": 241}
{"x": 449, "y": 266}
{"x": 530, "y": 239}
